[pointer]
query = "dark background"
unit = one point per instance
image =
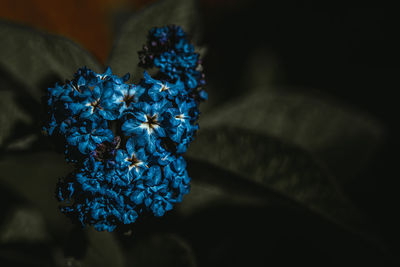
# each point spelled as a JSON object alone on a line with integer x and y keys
{"x": 350, "y": 54}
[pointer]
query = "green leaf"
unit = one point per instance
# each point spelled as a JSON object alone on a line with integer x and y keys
{"x": 10, "y": 115}
{"x": 161, "y": 249}
{"x": 23, "y": 224}
{"x": 228, "y": 219}
{"x": 24, "y": 239}
{"x": 18, "y": 112}
{"x": 37, "y": 60}
{"x": 342, "y": 138}
{"x": 283, "y": 168}
{"x": 34, "y": 176}
{"x": 103, "y": 250}
{"x": 30, "y": 62}
{"x": 133, "y": 33}
{"x": 87, "y": 247}
{"x": 26, "y": 255}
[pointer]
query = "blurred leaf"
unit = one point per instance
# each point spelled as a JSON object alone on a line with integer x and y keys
{"x": 19, "y": 115}
{"x": 23, "y": 225}
{"x": 37, "y": 59}
{"x": 281, "y": 167}
{"x": 89, "y": 248}
{"x": 30, "y": 62}
{"x": 10, "y": 115}
{"x": 341, "y": 137}
{"x": 229, "y": 220}
{"x": 164, "y": 249}
{"x": 212, "y": 186}
{"x": 103, "y": 250}
{"x": 26, "y": 255}
{"x": 24, "y": 239}
{"x": 34, "y": 176}
{"x": 133, "y": 33}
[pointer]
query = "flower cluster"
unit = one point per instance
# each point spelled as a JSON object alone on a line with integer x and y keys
{"x": 168, "y": 49}
{"x": 125, "y": 140}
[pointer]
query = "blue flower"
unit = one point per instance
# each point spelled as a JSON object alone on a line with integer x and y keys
{"x": 106, "y": 151}
{"x": 183, "y": 145}
{"x": 132, "y": 161}
{"x": 96, "y": 102}
{"x": 161, "y": 155}
{"x": 103, "y": 204}
{"x": 180, "y": 120}
{"x": 177, "y": 175}
{"x": 169, "y": 49}
{"x": 129, "y": 217}
{"x": 159, "y": 205}
{"x": 126, "y": 140}
{"x": 138, "y": 195}
{"x": 146, "y": 123}
{"x": 159, "y": 89}
{"x": 153, "y": 176}
{"x": 88, "y": 135}
{"x": 126, "y": 95}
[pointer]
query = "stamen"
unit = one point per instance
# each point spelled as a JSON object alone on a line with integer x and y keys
{"x": 128, "y": 99}
{"x": 76, "y": 88}
{"x": 164, "y": 87}
{"x": 135, "y": 162}
{"x": 180, "y": 117}
{"x": 96, "y": 104}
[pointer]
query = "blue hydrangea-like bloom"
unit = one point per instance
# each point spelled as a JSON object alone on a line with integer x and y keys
{"x": 169, "y": 50}
{"x": 126, "y": 140}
